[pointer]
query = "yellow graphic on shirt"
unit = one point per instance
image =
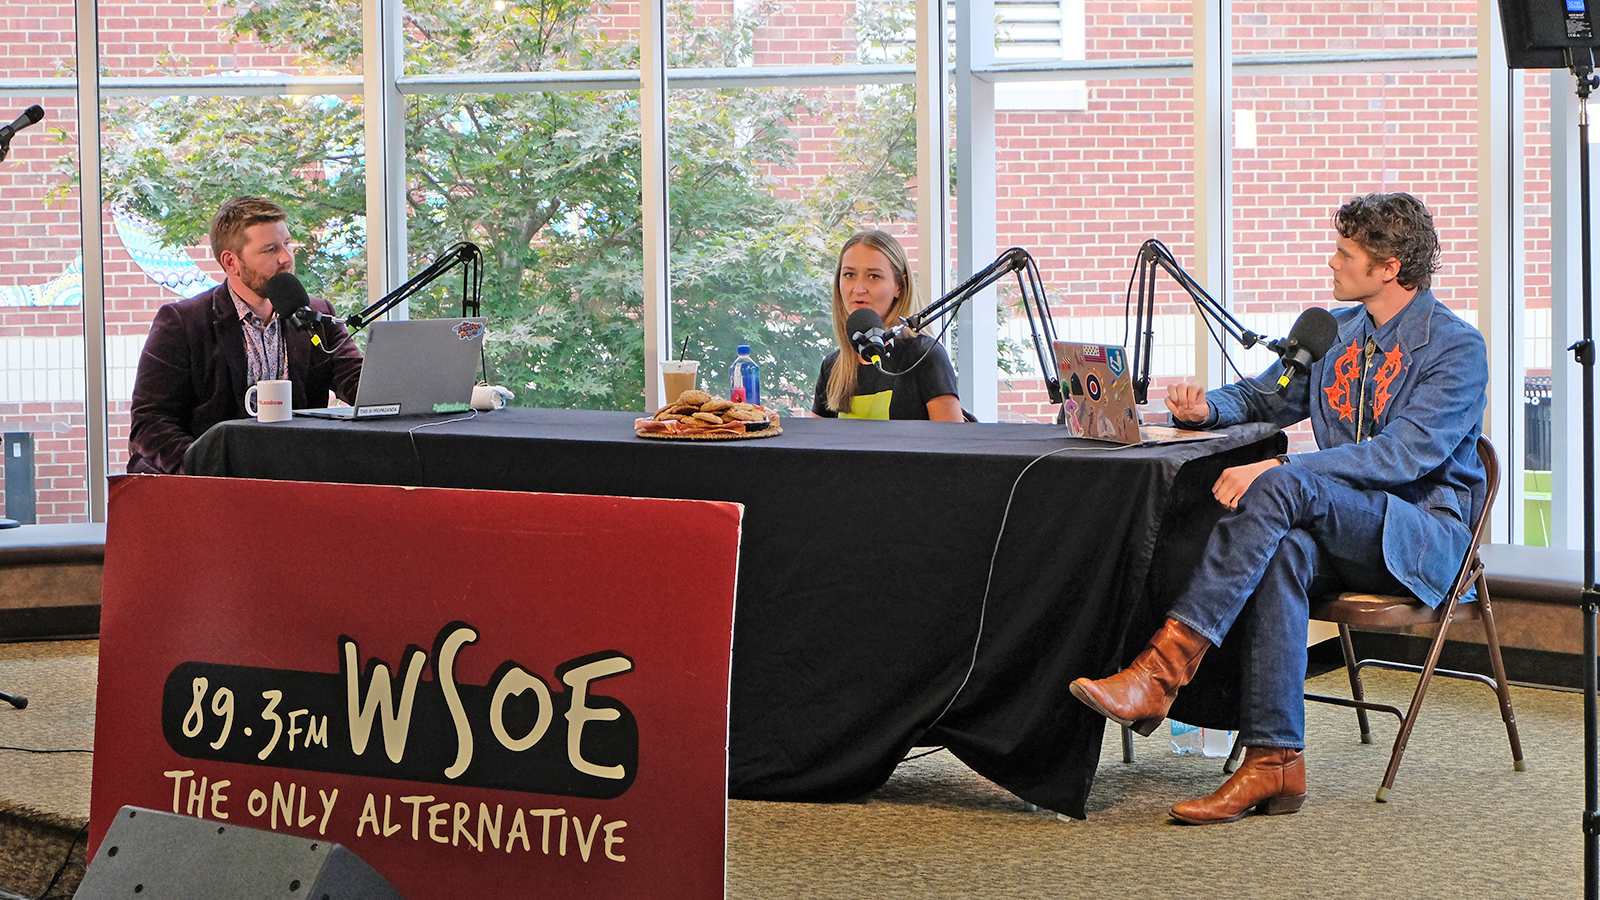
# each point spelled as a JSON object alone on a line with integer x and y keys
{"x": 869, "y": 406}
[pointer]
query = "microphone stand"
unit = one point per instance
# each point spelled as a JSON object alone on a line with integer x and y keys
{"x": 1583, "y": 353}
{"x": 1034, "y": 303}
{"x": 16, "y": 700}
{"x": 1152, "y": 255}
{"x": 464, "y": 254}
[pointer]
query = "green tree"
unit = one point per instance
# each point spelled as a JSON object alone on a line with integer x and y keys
{"x": 547, "y": 184}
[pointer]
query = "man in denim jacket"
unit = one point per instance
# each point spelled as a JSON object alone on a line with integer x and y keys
{"x": 1382, "y": 506}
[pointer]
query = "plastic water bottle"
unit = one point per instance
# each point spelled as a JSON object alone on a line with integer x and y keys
{"x": 1216, "y": 743}
{"x": 1192, "y": 740}
{"x": 1186, "y": 739}
{"x": 744, "y": 378}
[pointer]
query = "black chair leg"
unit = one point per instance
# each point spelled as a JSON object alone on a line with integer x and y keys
{"x": 1234, "y": 755}
{"x": 1357, "y": 689}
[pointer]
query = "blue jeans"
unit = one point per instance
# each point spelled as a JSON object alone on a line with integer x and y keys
{"x": 1295, "y": 535}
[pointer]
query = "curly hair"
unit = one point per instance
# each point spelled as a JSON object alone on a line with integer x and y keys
{"x": 1394, "y": 226}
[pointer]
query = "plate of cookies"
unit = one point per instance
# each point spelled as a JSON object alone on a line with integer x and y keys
{"x": 698, "y": 416}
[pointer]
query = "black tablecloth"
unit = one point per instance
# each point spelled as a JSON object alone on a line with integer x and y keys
{"x": 874, "y": 556}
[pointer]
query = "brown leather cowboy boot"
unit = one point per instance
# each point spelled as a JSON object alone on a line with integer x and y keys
{"x": 1272, "y": 780}
{"x": 1140, "y": 695}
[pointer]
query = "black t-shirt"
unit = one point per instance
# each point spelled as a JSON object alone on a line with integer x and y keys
{"x": 900, "y": 396}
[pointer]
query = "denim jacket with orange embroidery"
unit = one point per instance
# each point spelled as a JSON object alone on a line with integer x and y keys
{"x": 1396, "y": 409}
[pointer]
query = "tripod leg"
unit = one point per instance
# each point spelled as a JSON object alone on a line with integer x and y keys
{"x": 17, "y": 700}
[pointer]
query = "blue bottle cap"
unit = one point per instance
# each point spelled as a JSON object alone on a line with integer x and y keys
{"x": 744, "y": 348}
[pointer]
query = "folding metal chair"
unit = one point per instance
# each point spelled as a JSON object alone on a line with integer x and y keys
{"x": 1374, "y": 612}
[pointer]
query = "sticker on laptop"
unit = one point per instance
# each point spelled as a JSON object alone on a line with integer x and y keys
{"x": 466, "y": 331}
{"x": 1115, "y": 360}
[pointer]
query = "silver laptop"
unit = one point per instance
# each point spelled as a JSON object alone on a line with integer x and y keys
{"x": 415, "y": 367}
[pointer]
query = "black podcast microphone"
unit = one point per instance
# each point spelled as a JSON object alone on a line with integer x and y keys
{"x": 866, "y": 332}
{"x": 1313, "y": 333}
{"x": 293, "y": 305}
{"x": 29, "y": 116}
{"x": 291, "y": 302}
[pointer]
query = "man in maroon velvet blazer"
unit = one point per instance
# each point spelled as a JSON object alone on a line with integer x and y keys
{"x": 203, "y": 353}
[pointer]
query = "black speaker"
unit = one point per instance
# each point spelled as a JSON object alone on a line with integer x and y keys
{"x": 152, "y": 855}
{"x": 1541, "y": 33}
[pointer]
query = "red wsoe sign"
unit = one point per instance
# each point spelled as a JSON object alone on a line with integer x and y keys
{"x": 479, "y": 693}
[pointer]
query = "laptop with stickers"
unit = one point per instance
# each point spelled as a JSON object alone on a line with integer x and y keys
{"x": 1097, "y": 398}
{"x": 415, "y": 367}
{"x": 1097, "y": 392}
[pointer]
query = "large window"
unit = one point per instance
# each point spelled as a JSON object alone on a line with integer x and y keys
{"x": 495, "y": 37}
{"x": 41, "y": 283}
{"x": 1097, "y": 166}
{"x": 788, "y": 124}
{"x": 1306, "y": 144}
{"x": 41, "y": 320}
{"x": 546, "y": 183}
{"x": 1081, "y": 191}
{"x": 201, "y": 104}
{"x": 757, "y": 222}
{"x": 1541, "y": 355}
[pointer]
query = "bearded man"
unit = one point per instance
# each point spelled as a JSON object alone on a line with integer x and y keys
{"x": 205, "y": 352}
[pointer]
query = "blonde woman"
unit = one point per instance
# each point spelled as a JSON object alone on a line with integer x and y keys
{"x": 919, "y": 382}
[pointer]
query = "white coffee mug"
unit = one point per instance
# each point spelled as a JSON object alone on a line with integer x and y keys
{"x": 270, "y": 401}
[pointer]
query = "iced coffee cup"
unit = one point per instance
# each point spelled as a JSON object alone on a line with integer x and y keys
{"x": 677, "y": 376}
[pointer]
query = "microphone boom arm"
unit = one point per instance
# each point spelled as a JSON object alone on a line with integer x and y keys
{"x": 1153, "y": 255}
{"x": 465, "y": 254}
{"x": 1034, "y": 303}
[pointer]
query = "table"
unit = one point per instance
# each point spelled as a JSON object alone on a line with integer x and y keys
{"x": 901, "y": 584}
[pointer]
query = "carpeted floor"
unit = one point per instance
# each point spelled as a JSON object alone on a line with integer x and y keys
{"x": 44, "y": 797}
{"x": 1459, "y": 822}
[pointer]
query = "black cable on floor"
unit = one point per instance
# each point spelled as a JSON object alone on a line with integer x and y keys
{"x": 67, "y": 859}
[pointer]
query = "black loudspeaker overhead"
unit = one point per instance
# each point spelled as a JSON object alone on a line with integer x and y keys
{"x": 1539, "y": 33}
{"x": 154, "y": 855}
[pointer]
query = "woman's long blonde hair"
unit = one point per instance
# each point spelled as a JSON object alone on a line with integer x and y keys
{"x": 842, "y": 380}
